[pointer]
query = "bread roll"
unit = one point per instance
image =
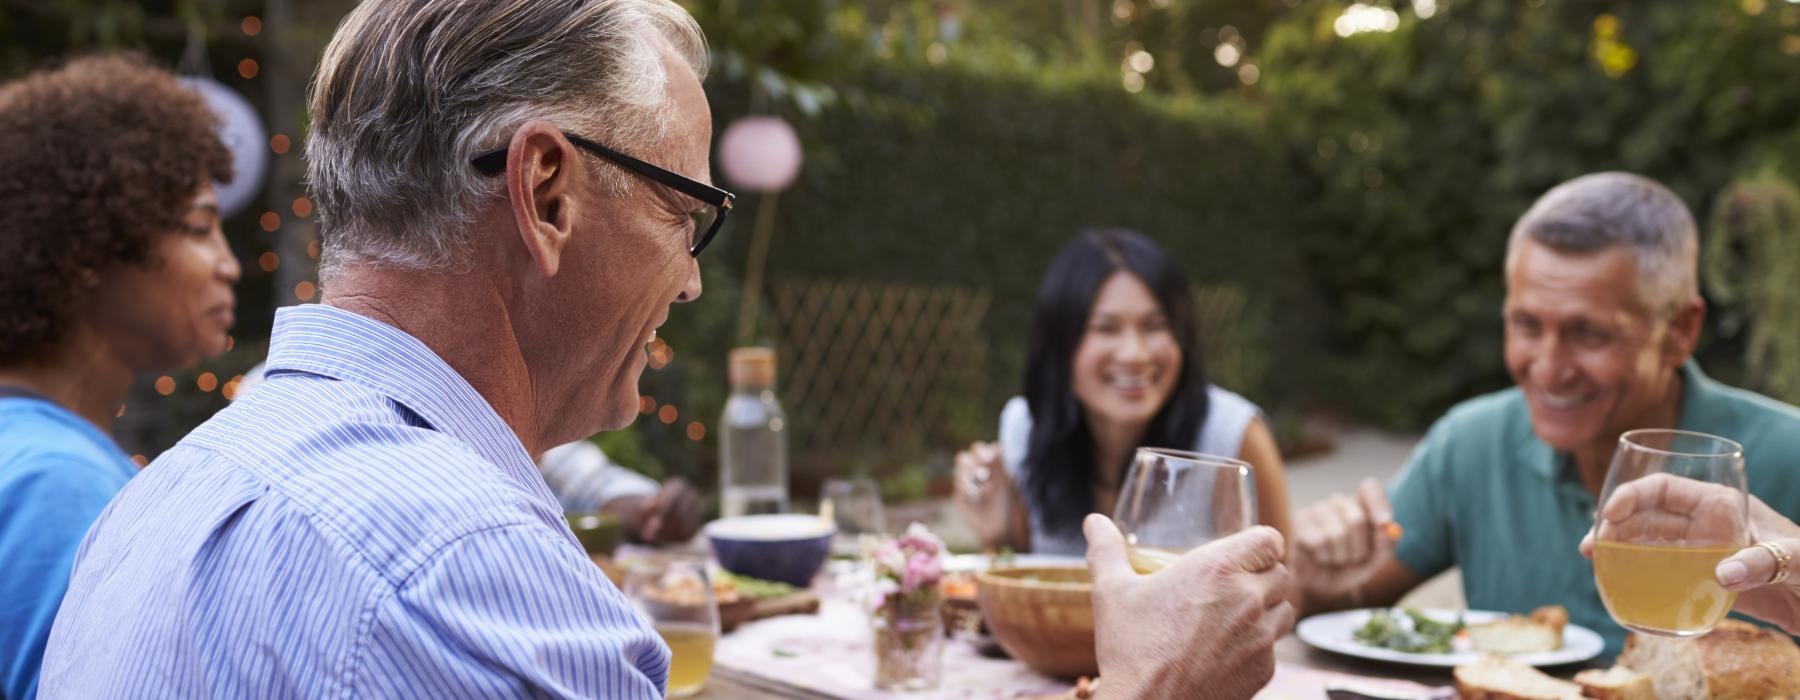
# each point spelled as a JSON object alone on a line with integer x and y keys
{"x": 1737, "y": 660}
{"x": 1542, "y": 630}
{"x": 1495, "y": 678}
{"x": 1616, "y": 683}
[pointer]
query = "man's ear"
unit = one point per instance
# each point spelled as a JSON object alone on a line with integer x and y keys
{"x": 539, "y": 182}
{"x": 1684, "y": 330}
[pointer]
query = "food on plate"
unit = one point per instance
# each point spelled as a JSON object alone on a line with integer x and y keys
{"x": 959, "y": 586}
{"x": 1616, "y": 683}
{"x": 1736, "y": 660}
{"x": 1409, "y": 631}
{"x": 1542, "y": 630}
{"x": 754, "y": 587}
{"x": 1498, "y": 678}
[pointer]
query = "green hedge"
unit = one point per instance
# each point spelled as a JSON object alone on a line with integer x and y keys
{"x": 1422, "y": 146}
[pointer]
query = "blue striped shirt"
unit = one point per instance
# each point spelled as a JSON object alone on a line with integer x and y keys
{"x": 362, "y": 525}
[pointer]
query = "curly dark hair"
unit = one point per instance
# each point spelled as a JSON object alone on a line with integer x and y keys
{"x": 99, "y": 157}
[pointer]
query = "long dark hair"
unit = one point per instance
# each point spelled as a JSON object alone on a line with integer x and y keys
{"x": 1061, "y": 453}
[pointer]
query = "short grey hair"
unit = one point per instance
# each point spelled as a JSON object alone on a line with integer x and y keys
{"x": 409, "y": 91}
{"x": 1602, "y": 210}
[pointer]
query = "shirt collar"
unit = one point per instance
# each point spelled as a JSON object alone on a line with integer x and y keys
{"x": 350, "y": 347}
{"x": 1699, "y": 394}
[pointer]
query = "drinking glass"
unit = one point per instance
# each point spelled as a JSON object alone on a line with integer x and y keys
{"x": 1681, "y": 509}
{"x": 855, "y": 505}
{"x": 677, "y": 597}
{"x": 1172, "y": 501}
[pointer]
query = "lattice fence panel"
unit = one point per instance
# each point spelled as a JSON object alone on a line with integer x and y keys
{"x": 872, "y": 367}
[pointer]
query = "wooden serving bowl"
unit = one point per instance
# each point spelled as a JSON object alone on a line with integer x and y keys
{"x": 1042, "y": 616}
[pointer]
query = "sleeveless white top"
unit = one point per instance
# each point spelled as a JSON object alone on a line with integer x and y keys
{"x": 1228, "y": 415}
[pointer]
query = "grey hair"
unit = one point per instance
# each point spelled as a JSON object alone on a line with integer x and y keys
{"x": 1602, "y": 210}
{"x": 409, "y": 91}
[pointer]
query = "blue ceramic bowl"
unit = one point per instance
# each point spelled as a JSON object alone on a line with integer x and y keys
{"x": 785, "y": 548}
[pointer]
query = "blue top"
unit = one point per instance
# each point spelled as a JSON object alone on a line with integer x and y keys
{"x": 1228, "y": 416}
{"x": 1484, "y": 493}
{"x": 57, "y": 471}
{"x": 361, "y": 525}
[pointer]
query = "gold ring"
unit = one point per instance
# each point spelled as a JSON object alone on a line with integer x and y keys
{"x": 1783, "y": 560}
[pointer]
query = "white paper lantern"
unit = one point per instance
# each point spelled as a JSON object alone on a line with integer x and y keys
{"x": 760, "y": 154}
{"x": 241, "y": 128}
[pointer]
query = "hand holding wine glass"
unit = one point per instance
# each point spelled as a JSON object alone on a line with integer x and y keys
{"x": 1674, "y": 506}
{"x": 1173, "y": 501}
{"x": 1756, "y": 573}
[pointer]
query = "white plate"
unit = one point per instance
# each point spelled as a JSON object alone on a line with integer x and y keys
{"x": 979, "y": 562}
{"x": 1334, "y": 632}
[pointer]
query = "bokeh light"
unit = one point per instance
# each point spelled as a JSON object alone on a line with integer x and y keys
{"x": 667, "y": 414}
{"x": 207, "y": 381}
{"x": 268, "y": 262}
{"x": 696, "y": 431}
{"x": 165, "y": 385}
{"x": 280, "y": 144}
{"x": 304, "y": 291}
{"x": 248, "y": 68}
{"x": 269, "y": 221}
{"x": 251, "y": 25}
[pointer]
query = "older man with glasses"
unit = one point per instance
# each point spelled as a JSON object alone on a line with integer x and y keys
{"x": 368, "y": 522}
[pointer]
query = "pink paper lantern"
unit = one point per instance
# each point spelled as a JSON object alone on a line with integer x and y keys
{"x": 760, "y": 154}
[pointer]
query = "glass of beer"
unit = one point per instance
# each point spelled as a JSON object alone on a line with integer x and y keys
{"x": 1172, "y": 501}
{"x": 676, "y": 596}
{"x": 1674, "y": 505}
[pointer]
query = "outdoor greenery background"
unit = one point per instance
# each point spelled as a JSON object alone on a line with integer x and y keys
{"x": 1358, "y": 189}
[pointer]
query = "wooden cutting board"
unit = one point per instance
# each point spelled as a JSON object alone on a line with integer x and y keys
{"x": 800, "y": 603}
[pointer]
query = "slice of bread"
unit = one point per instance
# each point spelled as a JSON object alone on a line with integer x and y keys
{"x": 1616, "y": 683}
{"x": 1495, "y": 678}
{"x": 1736, "y": 660}
{"x": 1540, "y": 631}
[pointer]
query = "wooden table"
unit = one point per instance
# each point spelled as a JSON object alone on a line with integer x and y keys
{"x": 826, "y": 656}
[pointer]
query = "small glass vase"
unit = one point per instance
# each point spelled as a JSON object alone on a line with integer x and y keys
{"x": 909, "y": 641}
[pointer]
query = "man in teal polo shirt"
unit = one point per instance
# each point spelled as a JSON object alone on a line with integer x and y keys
{"x": 1602, "y": 314}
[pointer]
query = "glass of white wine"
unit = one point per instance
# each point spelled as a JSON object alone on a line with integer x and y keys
{"x": 1682, "y": 509}
{"x": 676, "y": 595}
{"x": 1173, "y": 501}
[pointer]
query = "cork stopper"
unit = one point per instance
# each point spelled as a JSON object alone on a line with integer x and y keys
{"x": 752, "y": 368}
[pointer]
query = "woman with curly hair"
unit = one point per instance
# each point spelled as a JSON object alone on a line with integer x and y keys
{"x": 112, "y": 263}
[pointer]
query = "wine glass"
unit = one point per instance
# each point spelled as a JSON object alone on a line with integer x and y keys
{"x": 855, "y": 505}
{"x": 1674, "y": 505}
{"x": 676, "y": 595}
{"x": 1172, "y": 501}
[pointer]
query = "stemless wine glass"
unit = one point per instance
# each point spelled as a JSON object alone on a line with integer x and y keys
{"x": 855, "y": 505}
{"x": 1681, "y": 508}
{"x": 1172, "y": 501}
{"x": 677, "y": 597}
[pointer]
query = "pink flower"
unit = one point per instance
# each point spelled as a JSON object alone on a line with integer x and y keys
{"x": 889, "y": 559}
{"x": 922, "y": 570}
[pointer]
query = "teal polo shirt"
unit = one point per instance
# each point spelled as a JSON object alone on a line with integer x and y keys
{"x": 1484, "y": 493}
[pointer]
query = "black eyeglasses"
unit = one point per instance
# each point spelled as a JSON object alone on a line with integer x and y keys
{"x": 708, "y": 220}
